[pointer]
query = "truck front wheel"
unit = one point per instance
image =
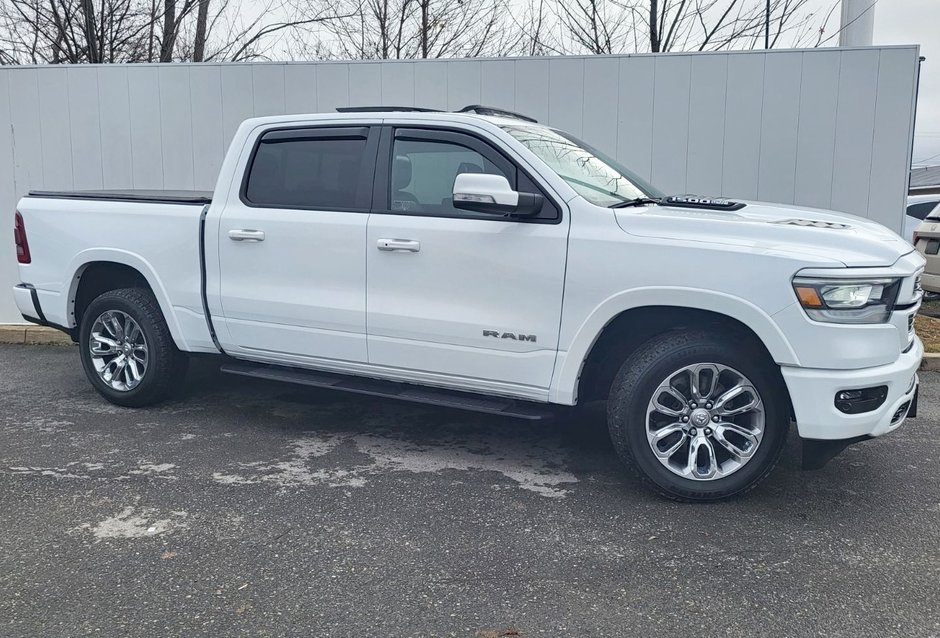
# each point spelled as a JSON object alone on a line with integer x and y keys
{"x": 126, "y": 348}
{"x": 701, "y": 417}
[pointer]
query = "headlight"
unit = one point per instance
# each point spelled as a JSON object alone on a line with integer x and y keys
{"x": 847, "y": 301}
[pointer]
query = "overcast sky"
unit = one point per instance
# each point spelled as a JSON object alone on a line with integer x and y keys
{"x": 917, "y": 22}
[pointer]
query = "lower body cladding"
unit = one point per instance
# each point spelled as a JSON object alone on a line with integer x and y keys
{"x": 828, "y": 420}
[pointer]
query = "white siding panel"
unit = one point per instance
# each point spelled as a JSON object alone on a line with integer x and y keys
{"x": 888, "y": 184}
{"x": 268, "y": 89}
{"x": 599, "y": 104}
{"x": 53, "y": 115}
{"x": 431, "y": 85}
{"x": 86, "y": 126}
{"x": 300, "y": 88}
{"x": 498, "y": 84}
{"x": 743, "y": 106}
{"x": 463, "y": 83}
{"x": 27, "y": 132}
{"x": 114, "y": 121}
{"x": 532, "y": 88}
{"x": 7, "y": 185}
{"x": 816, "y": 135}
{"x": 238, "y": 100}
{"x": 398, "y": 84}
{"x": 8, "y": 197}
{"x": 780, "y": 119}
{"x": 365, "y": 84}
{"x": 565, "y": 94}
{"x": 671, "y": 122}
{"x": 707, "y": 124}
{"x": 332, "y": 87}
{"x": 854, "y": 135}
{"x": 146, "y": 137}
{"x": 205, "y": 89}
{"x": 635, "y": 114}
{"x": 176, "y": 118}
{"x": 829, "y": 128}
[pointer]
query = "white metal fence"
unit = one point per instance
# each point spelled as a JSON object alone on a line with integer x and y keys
{"x": 830, "y": 128}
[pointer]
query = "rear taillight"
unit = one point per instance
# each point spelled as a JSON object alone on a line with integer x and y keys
{"x": 19, "y": 236}
{"x": 916, "y": 237}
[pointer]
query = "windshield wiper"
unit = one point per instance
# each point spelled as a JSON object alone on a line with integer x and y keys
{"x": 636, "y": 201}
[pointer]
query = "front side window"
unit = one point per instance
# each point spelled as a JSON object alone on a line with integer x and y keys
{"x": 596, "y": 177}
{"x": 320, "y": 173}
{"x": 423, "y": 174}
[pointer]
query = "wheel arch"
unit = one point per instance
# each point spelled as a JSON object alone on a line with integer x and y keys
{"x": 98, "y": 271}
{"x": 623, "y": 322}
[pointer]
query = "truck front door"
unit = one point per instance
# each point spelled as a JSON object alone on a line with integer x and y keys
{"x": 461, "y": 298}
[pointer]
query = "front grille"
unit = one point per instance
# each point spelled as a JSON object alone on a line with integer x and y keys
{"x": 910, "y": 323}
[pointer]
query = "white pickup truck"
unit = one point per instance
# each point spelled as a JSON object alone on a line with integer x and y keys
{"x": 478, "y": 259}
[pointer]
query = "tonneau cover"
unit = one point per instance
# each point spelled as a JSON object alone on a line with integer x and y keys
{"x": 198, "y": 198}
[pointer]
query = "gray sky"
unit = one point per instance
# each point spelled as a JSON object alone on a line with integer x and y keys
{"x": 917, "y": 22}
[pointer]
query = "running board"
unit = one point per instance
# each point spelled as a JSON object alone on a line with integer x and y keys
{"x": 393, "y": 390}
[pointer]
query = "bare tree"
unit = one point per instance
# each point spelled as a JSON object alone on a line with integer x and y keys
{"x": 396, "y": 29}
{"x": 73, "y": 31}
{"x": 627, "y": 26}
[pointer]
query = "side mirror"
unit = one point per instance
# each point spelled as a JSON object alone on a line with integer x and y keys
{"x": 491, "y": 194}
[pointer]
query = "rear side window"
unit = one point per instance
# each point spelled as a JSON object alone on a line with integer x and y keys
{"x": 316, "y": 169}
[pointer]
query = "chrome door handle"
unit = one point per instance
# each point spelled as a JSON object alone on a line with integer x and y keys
{"x": 246, "y": 235}
{"x": 406, "y": 245}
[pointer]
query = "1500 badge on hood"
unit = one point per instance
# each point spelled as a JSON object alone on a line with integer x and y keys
{"x": 694, "y": 201}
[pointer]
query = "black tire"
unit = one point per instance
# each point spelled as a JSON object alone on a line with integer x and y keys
{"x": 636, "y": 382}
{"x": 166, "y": 365}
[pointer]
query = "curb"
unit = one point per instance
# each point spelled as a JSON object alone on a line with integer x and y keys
{"x": 930, "y": 362}
{"x": 33, "y": 335}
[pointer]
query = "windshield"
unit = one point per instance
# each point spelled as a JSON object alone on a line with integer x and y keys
{"x": 596, "y": 177}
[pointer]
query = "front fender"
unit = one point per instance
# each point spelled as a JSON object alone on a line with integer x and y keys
{"x": 571, "y": 359}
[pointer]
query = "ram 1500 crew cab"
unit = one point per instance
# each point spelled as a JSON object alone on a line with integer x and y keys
{"x": 482, "y": 260}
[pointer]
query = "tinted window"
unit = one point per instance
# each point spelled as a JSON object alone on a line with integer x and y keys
{"x": 921, "y": 209}
{"x": 423, "y": 174}
{"x": 306, "y": 173}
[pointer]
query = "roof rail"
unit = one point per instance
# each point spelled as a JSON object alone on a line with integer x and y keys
{"x": 381, "y": 109}
{"x": 479, "y": 109}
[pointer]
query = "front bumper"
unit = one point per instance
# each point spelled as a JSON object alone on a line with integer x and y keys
{"x": 812, "y": 393}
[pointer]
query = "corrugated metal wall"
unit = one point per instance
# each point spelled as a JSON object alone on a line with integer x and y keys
{"x": 830, "y": 128}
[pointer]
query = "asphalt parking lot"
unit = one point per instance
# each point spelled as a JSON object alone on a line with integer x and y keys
{"x": 248, "y": 508}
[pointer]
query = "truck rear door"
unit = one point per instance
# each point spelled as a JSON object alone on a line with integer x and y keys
{"x": 291, "y": 247}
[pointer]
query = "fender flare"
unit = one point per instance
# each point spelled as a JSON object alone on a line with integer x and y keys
{"x": 570, "y": 361}
{"x": 126, "y": 258}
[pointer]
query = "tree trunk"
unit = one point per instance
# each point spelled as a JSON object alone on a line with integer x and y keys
{"x": 88, "y": 8}
{"x": 169, "y": 31}
{"x": 424, "y": 28}
{"x": 202, "y": 20}
{"x": 654, "y": 26}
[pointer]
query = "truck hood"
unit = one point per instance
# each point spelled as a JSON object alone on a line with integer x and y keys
{"x": 819, "y": 237}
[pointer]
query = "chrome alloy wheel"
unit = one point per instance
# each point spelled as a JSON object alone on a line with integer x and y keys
{"x": 118, "y": 350}
{"x": 705, "y": 421}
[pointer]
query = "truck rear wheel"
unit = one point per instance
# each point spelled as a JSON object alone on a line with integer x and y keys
{"x": 701, "y": 417}
{"x": 126, "y": 348}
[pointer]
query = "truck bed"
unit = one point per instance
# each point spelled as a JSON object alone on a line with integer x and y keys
{"x": 196, "y": 198}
